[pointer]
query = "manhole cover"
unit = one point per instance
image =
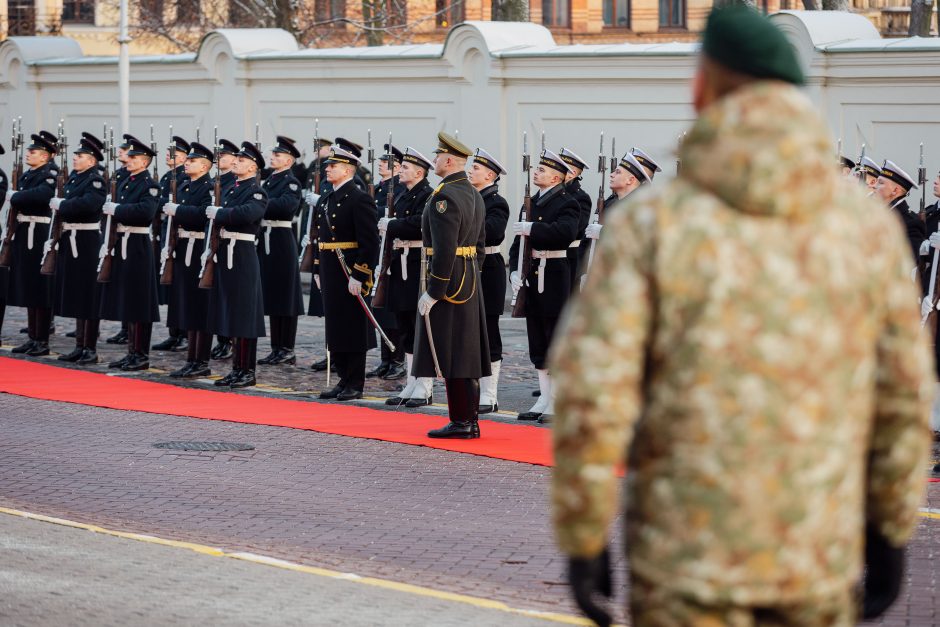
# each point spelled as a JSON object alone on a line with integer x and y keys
{"x": 204, "y": 446}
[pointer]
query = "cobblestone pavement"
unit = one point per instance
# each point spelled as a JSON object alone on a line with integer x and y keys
{"x": 447, "y": 521}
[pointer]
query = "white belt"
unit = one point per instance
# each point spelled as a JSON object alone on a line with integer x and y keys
{"x": 273, "y": 224}
{"x": 543, "y": 256}
{"x": 192, "y": 236}
{"x": 33, "y": 221}
{"x": 405, "y": 245}
{"x": 493, "y": 250}
{"x": 128, "y": 231}
{"x": 74, "y": 227}
{"x": 574, "y": 244}
{"x": 232, "y": 237}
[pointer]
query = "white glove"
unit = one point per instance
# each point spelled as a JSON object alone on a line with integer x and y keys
{"x": 170, "y": 208}
{"x": 354, "y": 286}
{"x": 316, "y": 279}
{"x": 516, "y": 280}
{"x": 425, "y": 303}
{"x": 108, "y": 208}
{"x": 593, "y": 231}
{"x": 312, "y": 198}
{"x": 924, "y": 247}
{"x": 54, "y": 203}
{"x": 305, "y": 240}
{"x": 935, "y": 240}
{"x": 925, "y": 307}
{"x": 211, "y": 210}
{"x": 383, "y": 225}
{"x": 46, "y": 247}
{"x": 522, "y": 228}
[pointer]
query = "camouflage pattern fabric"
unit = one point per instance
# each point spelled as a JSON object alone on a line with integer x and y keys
{"x": 750, "y": 333}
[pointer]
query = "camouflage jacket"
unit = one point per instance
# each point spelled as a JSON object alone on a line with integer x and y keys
{"x": 750, "y": 334}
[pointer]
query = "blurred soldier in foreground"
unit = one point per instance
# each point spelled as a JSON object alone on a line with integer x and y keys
{"x": 774, "y": 399}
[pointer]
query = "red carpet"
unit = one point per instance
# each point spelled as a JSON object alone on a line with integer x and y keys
{"x": 515, "y": 443}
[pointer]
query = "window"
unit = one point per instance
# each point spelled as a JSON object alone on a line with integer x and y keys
{"x": 188, "y": 12}
{"x": 78, "y": 11}
{"x": 21, "y": 18}
{"x": 672, "y": 13}
{"x": 556, "y": 13}
{"x": 449, "y": 12}
{"x": 617, "y": 13}
{"x": 328, "y": 10}
{"x": 151, "y": 11}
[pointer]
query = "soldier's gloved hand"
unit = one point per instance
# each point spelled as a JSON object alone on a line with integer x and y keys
{"x": 522, "y": 228}
{"x": 354, "y": 286}
{"x": 935, "y": 240}
{"x": 425, "y": 303}
{"x": 316, "y": 279}
{"x": 311, "y": 198}
{"x": 211, "y": 211}
{"x": 46, "y": 247}
{"x": 54, "y": 203}
{"x": 925, "y": 307}
{"x": 924, "y": 247}
{"x": 108, "y": 208}
{"x": 516, "y": 280}
{"x": 170, "y": 208}
{"x": 305, "y": 240}
{"x": 884, "y": 566}
{"x": 593, "y": 231}
{"x": 383, "y": 225}
{"x": 588, "y": 576}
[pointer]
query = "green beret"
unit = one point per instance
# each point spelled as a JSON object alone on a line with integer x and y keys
{"x": 741, "y": 39}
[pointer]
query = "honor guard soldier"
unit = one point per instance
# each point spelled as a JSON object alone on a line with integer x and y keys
{"x": 403, "y": 272}
{"x": 277, "y": 253}
{"x": 228, "y": 152}
{"x": 175, "y": 159}
{"x": 870, "y": 171}
{"x": 484, "y": 175}
{"x": 28, "y": 287}
{"x": 97, "y": 143}
{"x": 131, "y": 294}
{"x": 236, "y": 303}
{"x": 624, "y": 180}
{"x": 120, "y": 174}
{"x": 576, "y": 167}
{"x": 346, "y": 253}
{"x": 77, "y": 291}
{"x": 551, "y": 227}
{"x": 894, "y": 184}
{"x": 451, "y": 330}
{"x": 392, "y": 365}
{"x": 189, "y": 304}
{"x": 847, "y": 165}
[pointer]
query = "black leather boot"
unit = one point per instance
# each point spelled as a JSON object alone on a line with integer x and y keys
{"x": 463, "y": 398}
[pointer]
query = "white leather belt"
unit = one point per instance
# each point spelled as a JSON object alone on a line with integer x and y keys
{"x": 33, "y": 221}
{"x": 131, "y": 230}
{"x": 74, "y": 228}
{"x": 232, "y": 237}
{"x": 574, "y": 244}
{"x": 493, "y": 250}
{"x": 543, "y": 256}
{"x": 191, "y": 236}
{"x": 405, "y": 245}
{"x": 273, "y": 224}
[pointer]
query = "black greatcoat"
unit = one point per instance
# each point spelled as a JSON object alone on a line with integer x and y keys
{"x": 131, "y": 295}
{"x": 454, "y": 218}
{"x": 494, "y": 266}
{"x": 29, "y": 288}
{"x": 280, "y": 270}
{"x": 915, "y": 229}
{"x": 403, "y": 293}
{"x": 584, "y": 218}
{"x": 4, "y": 272}
{"x": 228, "y": 179}
{"x": 346, "y": 215}
{"x": 189, "y": 305}
{"x": 555, "y": 226}
{"x": 78, "y": 293}
{"x": 236, "y": 306}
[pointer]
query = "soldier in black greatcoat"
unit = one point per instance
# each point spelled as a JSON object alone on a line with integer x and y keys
{"x": 404, "y": 231}
{"x": 77, "y": 291}
{"x": 484, "y": 175}
{"x": 28, "y": 288}
{"x": 4, "y": 272}
{"x": 932, "y": 224}
{"x": 131, "y": 295}
{"x": 189, "y": 305}
{"x": 277, "y": 252}
{"x": 573, "y": 187}
{"x": 176, "y": 154}
{"x": 236, "y": 304}
{"x": 228, "y": 152}
{"x": 346, "y": 226}
{"x": 550, "y": 229}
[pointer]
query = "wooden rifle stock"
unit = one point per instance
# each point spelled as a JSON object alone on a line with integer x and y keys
{"x": 6, "y": 245}
{"x": 49, "y": 256}
{"x": 110, "y": 241}
{"x": 380, "y": 293}
{"x": 306, "y": 255}
{"x": 207, "y": 273}
{"x": 166, "y": 256}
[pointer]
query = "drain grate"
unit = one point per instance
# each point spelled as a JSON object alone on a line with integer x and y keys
{"x": 204, "y": 446}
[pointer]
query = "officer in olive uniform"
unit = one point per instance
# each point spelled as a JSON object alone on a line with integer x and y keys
{"x": 28, "y": 288}
{"x": 346, "y": 225}
{"x": 236, "y": 303}
{"x": 404, "y": 230}
{"x": 576, "y": 166}
{"x": 550, "y": 229}
{"x": 484, "y": 175}
{"x": 277, "y": 253}
{"x": 131, "y": 295}
{"x": 452, "y": 305}
{"x": 228, "y": 152}
{"x": 77, "y": 291}
{"x": 189, "y": 305}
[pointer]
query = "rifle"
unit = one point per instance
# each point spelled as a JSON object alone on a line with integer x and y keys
{"x": 16, "y": 141}
{"x": 922, "y": 181}
{"x": 106, "y": 151}
{"x": 859, "y": 169}
{"x": 110, "y": 229}
{"x": 207, "y": 272}
{"x": 379, "y": 291}
{"x": 599, "y": 212}
{"x": 306, "y": 252}
{"x": 525, "y": 249}
{"x": 258, "y": 146}
{"x": 156, "y": 224}
{"x": 166, "y": 255}
{"x": 50, "y": 252}
{"x": 371, "y": 157}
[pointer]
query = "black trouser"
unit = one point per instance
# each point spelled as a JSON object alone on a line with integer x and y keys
{"x": 540, "y": 331}
{"x": 463, "y": 399}
{"x": 496, "y": 340}
{"x": 3, "y": 311}
{"x": 138, "y": 337}
{"x": 351, "y": 368}
{"x": 387, "y": 354}
{"x": 406, "y": 329}
{"x": 283, "y": 331}
{"x": 38, "y": 320}
{"x": 244, "y": 353}
{"x": 86, "y": 334}
{"x": 200, "y": 343}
